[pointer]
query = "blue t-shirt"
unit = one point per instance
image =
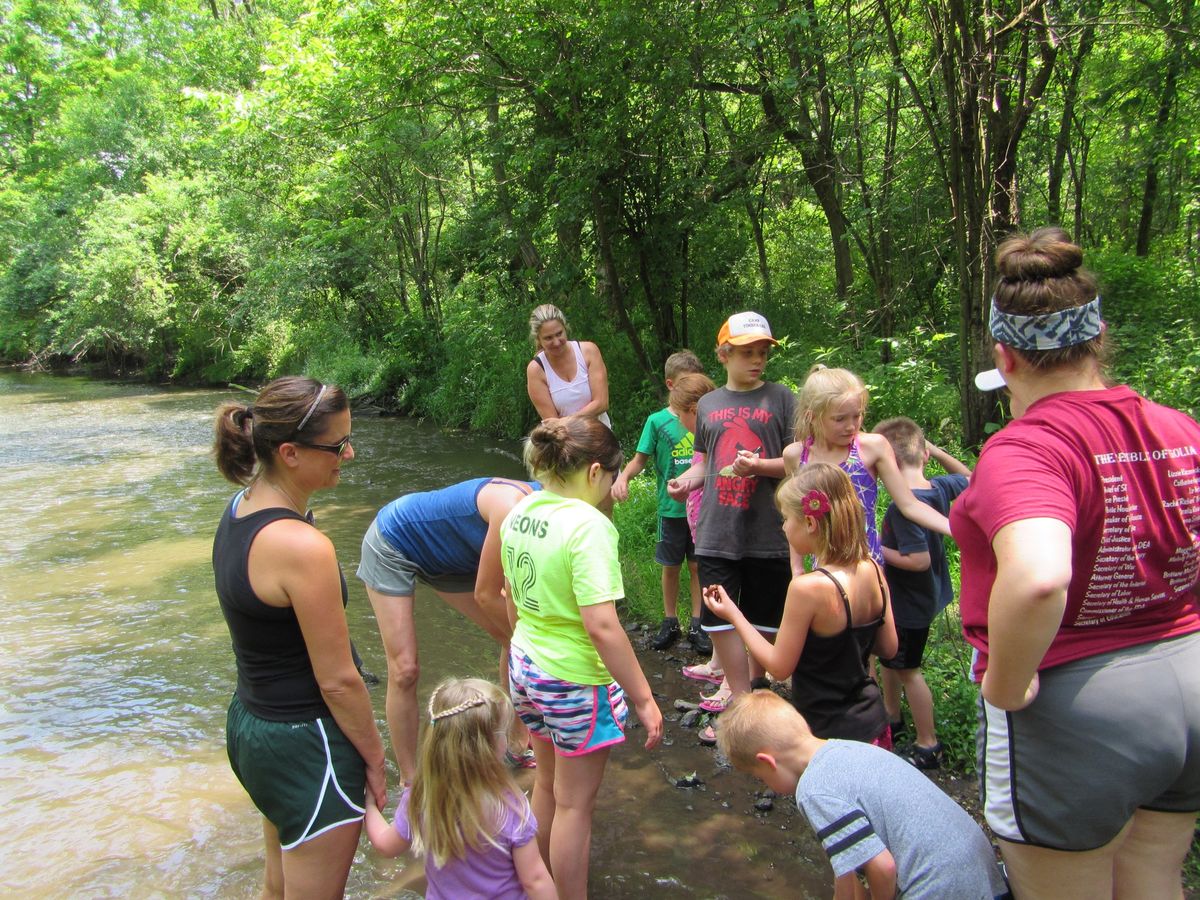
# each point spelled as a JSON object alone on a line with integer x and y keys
{"x": 862, "y": 800}
{"x": 440, "y": 531}
{"x": 919, "y": 596}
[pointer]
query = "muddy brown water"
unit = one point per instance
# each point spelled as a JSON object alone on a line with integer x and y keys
{"x": 117, "y": 670}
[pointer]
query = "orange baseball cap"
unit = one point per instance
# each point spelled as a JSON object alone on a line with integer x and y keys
{"x": 745, "y": 328}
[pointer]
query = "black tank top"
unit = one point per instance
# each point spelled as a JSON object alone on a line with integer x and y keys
{"x": 275, "y": 676}
{"x": 831, "y": 686}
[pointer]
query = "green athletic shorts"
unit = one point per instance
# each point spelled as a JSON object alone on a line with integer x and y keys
{"x": 305, "y": 777}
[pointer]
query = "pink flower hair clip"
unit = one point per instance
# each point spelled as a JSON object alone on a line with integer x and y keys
{"x": 815, "y": 503}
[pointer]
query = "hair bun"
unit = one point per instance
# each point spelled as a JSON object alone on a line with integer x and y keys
{"x": 1047, "y": 253}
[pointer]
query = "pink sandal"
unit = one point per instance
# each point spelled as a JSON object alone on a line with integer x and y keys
{"x": 704, "y": 672}
{"x": 716, "y": 703}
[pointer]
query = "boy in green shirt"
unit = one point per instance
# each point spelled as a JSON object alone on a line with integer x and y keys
{"x": 667, "y": 441}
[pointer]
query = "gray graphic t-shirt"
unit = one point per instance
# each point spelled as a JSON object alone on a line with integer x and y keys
{"x": 738, "y": 518}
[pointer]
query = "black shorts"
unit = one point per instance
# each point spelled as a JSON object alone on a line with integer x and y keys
{"x": 674, "y": 542}
{"x": 758, "y": 586}
{"x": 910, "y": 650}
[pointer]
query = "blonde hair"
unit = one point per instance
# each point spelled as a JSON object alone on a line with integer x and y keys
{"x": 561, "y": 447}
{"x": 688, "y": 389}
{"x": 822, "y": 388}
{"x": 907, "y": 440}
{"x": 680, "y": 362}
{"x": 842, "y": 529}
{"x": 547, "y": 312}
{"x": 758, "y": 722}
{"x": 462, "y": 787}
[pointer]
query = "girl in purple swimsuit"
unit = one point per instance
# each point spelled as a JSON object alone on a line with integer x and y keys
{"x": 829, "y": 420}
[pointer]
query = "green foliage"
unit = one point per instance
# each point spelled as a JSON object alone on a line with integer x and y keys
{"x": 637, "y": 521}
{"x": 1153, "y": 329}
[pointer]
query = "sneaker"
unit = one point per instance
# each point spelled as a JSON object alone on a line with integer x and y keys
{"x": 927, "y": 758}
{"x": 704, "y": 672}
{"x": 699, "y": 640}
{"x": 668, "y": 633}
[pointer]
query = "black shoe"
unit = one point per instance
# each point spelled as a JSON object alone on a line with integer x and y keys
{"x": 927, "y": 758}
{"x": 368, "y": 677}
{"x": 699, "y": 640}
{"x": 668, "y": 633}
{"x": 897, "y": 729}
{"x": 762, "y": 683}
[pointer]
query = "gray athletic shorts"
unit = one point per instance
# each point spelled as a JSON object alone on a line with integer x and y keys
{"x": 1106, "y": 736}
{"x": 385, "y": 569}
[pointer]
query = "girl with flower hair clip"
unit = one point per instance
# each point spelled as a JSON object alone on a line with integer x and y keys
{"x": 464, "y": 813}
{"x": 835, "y": 616}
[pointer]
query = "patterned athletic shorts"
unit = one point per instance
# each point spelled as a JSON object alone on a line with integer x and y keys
{"x": 576, "y": 718}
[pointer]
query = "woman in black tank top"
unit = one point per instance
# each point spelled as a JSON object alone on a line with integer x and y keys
{"x": 301, "y": 733}
{"x": 834, "y": 616}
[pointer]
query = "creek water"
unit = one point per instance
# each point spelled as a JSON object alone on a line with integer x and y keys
{"x": 117, "y": 670}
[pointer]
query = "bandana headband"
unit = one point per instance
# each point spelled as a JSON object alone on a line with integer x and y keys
{"x": 1051, "y": 331}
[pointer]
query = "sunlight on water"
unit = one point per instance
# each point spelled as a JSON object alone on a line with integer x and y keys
{"x": 117, "y": 668}
{"x": 114, "y": 779}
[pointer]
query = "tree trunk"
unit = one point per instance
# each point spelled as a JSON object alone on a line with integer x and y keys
{"x": 612, "y": 278}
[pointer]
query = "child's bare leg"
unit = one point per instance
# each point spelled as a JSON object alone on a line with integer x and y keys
{"x": 756, "y": 670}
{"x": 694, "y": 585}
{"x": 730, "y": 653}
{"x": 575, "y": 791}
{"x": 670, "y": 589}
{"x": 920, "y": 704}
{"x": 891, "y": 694}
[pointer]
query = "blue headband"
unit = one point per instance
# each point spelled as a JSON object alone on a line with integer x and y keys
{"x": 1064, "y": 328}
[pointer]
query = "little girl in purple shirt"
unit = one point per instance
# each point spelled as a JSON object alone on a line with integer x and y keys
{"x": 464, "y": 813}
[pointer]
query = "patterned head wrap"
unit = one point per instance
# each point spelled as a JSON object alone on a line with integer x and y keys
{"x": 1050, "y": 331}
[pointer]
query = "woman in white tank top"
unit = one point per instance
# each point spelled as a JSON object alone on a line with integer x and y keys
{"x": 566, "y": 377}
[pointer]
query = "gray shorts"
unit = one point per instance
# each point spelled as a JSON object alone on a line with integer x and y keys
{"x": 386, "y": 570}
{"x": 1106, "y": 736}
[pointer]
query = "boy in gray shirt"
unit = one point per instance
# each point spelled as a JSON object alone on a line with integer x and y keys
{"x": 872, "y": 811}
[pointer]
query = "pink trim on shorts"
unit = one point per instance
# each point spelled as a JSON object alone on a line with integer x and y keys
{"x": 587, "y": 748}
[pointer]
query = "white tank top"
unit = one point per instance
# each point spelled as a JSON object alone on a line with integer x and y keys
{"x": 569, "y": 397}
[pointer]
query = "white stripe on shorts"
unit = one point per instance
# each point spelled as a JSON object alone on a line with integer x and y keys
{"x": 999, "y": 800}
{"x": 330, "y": 776}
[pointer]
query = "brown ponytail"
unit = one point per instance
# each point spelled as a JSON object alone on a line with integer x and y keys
{"x": 247, "y": 436}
